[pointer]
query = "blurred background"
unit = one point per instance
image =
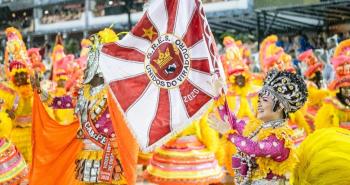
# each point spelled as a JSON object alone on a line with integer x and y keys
{"x": 300, "y": 24}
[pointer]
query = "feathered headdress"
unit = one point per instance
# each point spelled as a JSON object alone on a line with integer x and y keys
{"x": 313, "y": 65}
{"x": 273, "y": 57}
{"x": 233, "y": 61}
{"x": 341, "y": 65}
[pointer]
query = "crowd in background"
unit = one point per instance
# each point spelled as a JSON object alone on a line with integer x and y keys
{"x": 62, "y": 13}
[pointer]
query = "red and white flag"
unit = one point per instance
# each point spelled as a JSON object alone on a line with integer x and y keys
{"x": 161, "y": 73}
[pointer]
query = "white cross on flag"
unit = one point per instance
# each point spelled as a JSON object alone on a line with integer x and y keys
{"x": 161, "y": 73}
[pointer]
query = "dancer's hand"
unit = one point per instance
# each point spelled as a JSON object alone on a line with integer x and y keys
{"x": 218, "y": 125}
{"x": 35, "y": 81}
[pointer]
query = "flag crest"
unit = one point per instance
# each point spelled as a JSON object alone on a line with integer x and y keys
{"x": 161, "y": 73}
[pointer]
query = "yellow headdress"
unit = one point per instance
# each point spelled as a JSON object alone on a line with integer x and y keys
{"x": 324, "y": 158}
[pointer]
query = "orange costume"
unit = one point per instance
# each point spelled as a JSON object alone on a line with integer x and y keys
{"x": 335, "y": 111}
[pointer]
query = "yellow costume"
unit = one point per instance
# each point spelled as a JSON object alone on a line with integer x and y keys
{"x": 335, "y": 111}
{"x": 324, "y": 158}
{"x": 18, "y": 94}
{"x": 242, "y": 95}
{"x": 13, "y": 167}
{"x": 316, "y": 89}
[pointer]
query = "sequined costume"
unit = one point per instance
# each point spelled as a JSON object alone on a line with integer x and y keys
{"x": 335, "y": 111}
{"x": 98, "y": 161}
{"x": 187, "y": 159}
{"x": 265, "y": 149}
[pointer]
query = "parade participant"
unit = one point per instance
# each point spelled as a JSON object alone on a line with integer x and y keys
{"x": 273, "y": 57}
{"x": 13, "y": 167}
{"x": 324, "y": 158}
{"x": 17, "y": 95}
{"x": 78, "y": 66}
{"x": 188, "y": 158}
{"x": 242, "y": 95}
{"x": 265, "y": 148}
{"x": 58, "y": 49}
{"x": 98, "y": 161}
{"x": 35, "y": 60}
{"x": 335, "y": 111}
{"x": 15, "y": 48}
{"x": 60, "y": 101}
{"x": 316, "y": 87}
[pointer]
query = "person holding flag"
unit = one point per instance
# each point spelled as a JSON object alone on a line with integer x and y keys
{"x": 264, "y": 148}
{"x": 98, "y": 162}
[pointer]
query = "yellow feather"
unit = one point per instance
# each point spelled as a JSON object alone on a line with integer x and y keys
{"x": 324, "y": 158}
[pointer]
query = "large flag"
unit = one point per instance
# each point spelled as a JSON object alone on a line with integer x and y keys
{"x": 161, "y": 73}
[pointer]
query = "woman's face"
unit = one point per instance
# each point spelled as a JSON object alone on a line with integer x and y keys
{"x": 265, "y": 107}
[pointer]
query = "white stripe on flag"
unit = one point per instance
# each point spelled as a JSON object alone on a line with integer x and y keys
{"x": 140, "y": 117}
{"x": 134, "y": 42}
{"x": 186, "y": 11}
{"x": 158, "y": 15}
{"x": 118, "y": 69}
{"x": 178, "y": 109}
{"x": 199, "y": 50}
{"x": 203, "y": 81}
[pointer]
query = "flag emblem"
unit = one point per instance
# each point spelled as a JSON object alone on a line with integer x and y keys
{"x": 167, "y": 61}
{"x": 161, "y": 73}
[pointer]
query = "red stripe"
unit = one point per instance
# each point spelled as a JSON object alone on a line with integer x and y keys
{"x": 160, "y": 125}
{"x": 171, "y": 6}
{"x": 201, "y": 65}
{"x": 118, "y": 51}
{"x": 129, "y": 90}
{"x": 195, "y": 30}
{"x": 143, "y": 25}
{"x": 193, "y": 97}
